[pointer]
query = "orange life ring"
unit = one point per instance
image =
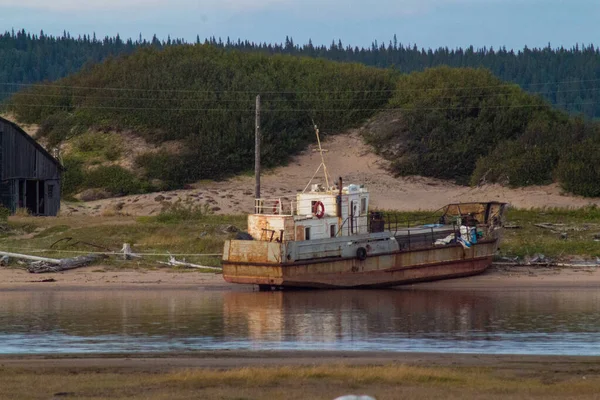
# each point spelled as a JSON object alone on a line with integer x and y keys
{"x": 319, "y": 209}
{"x": 276, "y": 208}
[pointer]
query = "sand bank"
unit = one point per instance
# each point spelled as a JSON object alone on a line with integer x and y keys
{"x": 347, "y": 156}
{"x": 99, "y": 277}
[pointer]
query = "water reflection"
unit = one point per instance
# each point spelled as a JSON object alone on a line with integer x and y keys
{"x": 519, "y": 322}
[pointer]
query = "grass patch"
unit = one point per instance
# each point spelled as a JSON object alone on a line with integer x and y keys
{"x": 318, "y": 382}
{"x": 182, "y": 211}
{"x": 98, "y": 146}
{"x": 580, "y": 226}
{"x": 202, "y": 234}
{"x": 574, "y": 235}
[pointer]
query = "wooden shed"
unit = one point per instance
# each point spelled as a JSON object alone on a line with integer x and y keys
{"x": 29, "y": 176}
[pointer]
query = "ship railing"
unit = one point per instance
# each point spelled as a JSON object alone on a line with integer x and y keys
{"x": 275, "y": 206}
{"x": 414, "y": 233}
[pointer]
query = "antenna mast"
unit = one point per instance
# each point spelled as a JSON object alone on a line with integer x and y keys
{"x": 257, "y": 205}
{"x": 322, "y": 158}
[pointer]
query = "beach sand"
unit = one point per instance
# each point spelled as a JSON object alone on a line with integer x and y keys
{"x": 106, "y": 277}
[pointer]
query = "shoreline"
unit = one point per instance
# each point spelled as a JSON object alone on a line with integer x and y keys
{"x": 235, "y": 359}
{"x": 114, "y": 278}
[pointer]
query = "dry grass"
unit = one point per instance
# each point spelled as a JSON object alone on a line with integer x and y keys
{"x": 22, "y": 212}
{"x": 579, "y": 225}
{"x": 321, "y": 382}
{"x": 205, "y": 234}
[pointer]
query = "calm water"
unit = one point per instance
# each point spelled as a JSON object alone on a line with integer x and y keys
{"x": 515, "y": 322}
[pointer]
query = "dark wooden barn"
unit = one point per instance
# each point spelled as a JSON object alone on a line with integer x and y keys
{"x": 29, "y": 176}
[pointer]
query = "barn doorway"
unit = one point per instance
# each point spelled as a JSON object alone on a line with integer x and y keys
{"x": 32, "y": 195}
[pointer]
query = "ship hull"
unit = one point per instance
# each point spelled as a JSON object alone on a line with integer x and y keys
{"x": 376, "y": 270}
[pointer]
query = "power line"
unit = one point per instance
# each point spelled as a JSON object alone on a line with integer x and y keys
{"x": 50, "y": 85}
{"x": 251, "y": 110}
{"x": 157, "y": 99}
{"x": 250, "y": 100}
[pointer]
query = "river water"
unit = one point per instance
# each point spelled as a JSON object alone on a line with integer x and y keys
{"x": 558, "y": 322}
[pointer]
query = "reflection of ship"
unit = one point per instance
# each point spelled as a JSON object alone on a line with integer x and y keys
{"x": 328, "y": 238}
{"x": 347, "y": 314}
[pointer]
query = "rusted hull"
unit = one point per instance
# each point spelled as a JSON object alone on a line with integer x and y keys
{"x": 383, "y": 270}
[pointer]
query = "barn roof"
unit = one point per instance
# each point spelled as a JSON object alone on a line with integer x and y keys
{"x": 33, "y": 142}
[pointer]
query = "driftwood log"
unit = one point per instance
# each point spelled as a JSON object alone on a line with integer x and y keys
{"x": 173, "y": 262}
{"x": 38, "y": 267}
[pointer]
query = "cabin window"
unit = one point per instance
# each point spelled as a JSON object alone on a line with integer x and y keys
{"x": 363, "y": 206}
{"x": 307, "y": 233}
{"x": 313, "y": 206}
{"x": 332, "y": 230}
{"x": 50, "y": 191}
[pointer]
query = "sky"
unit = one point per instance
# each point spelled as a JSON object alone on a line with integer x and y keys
{"x": 427, "y": 23}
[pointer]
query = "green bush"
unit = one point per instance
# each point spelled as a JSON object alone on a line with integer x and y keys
{"x": 515, "y": 164}
{"x": 579, "y": 169}
{"x": 73, "y": 178}
{"x": 115, "y": 179}
{"x": 168, "y": 168}
{"x": 450, "y": 118}
{"x": 99, "y": 145}
{"x": 4, "y": 214}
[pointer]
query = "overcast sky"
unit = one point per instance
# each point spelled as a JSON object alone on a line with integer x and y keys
{"x": 428, "y": 23}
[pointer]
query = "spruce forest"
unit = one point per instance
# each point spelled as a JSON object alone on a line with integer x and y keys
{"x": 474, "y": 124}
{"x": 568, "y": 78}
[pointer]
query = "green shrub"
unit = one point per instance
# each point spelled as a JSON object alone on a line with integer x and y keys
{"x": 4, "y": 214}
{"x": 450, "y": 118}
{"x": 515, "y": 164}
{"x": 115, "y": 179}
{"x": 103, "y": 146}
{"x": 578, "y": 170}
{"x": 168, "y": 168}
{"x": 73, "y": 178}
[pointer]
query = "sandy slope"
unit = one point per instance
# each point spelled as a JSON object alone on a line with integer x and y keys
{"x": 347, "y": 156}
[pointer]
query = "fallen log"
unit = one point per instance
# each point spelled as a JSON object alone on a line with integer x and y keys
{"x": 39, "y": 267}
{"x": 32, "y": 258}
{"x": 174, "y": 263}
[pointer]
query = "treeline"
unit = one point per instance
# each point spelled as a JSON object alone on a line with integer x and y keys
{"x": 27, "y": 58}
{"x": 462, "y": 124}
{"x": 567, "y": 77}
{"x": 204, "y": 98}
{"x": 469, "y": 126}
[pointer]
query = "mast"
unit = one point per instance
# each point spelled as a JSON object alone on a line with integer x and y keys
{"x": 322, "y": 158}
{"x": 257, "y": 205}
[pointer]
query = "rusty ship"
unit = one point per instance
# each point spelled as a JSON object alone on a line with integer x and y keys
{"x": 326, "y": 237}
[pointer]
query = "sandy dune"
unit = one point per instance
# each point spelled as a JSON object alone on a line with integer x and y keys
{"x": 347, "y": 156}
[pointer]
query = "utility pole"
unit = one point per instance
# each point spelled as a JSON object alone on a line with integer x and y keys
{"x": 257, "y": 157}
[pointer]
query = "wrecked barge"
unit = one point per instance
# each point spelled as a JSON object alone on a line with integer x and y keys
{"x": 327, "y": 238}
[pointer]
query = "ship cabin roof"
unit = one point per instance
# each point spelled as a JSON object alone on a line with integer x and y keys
{"x": 317, "y": 213}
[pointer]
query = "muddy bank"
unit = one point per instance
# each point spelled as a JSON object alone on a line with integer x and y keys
{"x": 239, "y": 359}
{"x": 100, "y": 277}
{"x": 106, "y": 277}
